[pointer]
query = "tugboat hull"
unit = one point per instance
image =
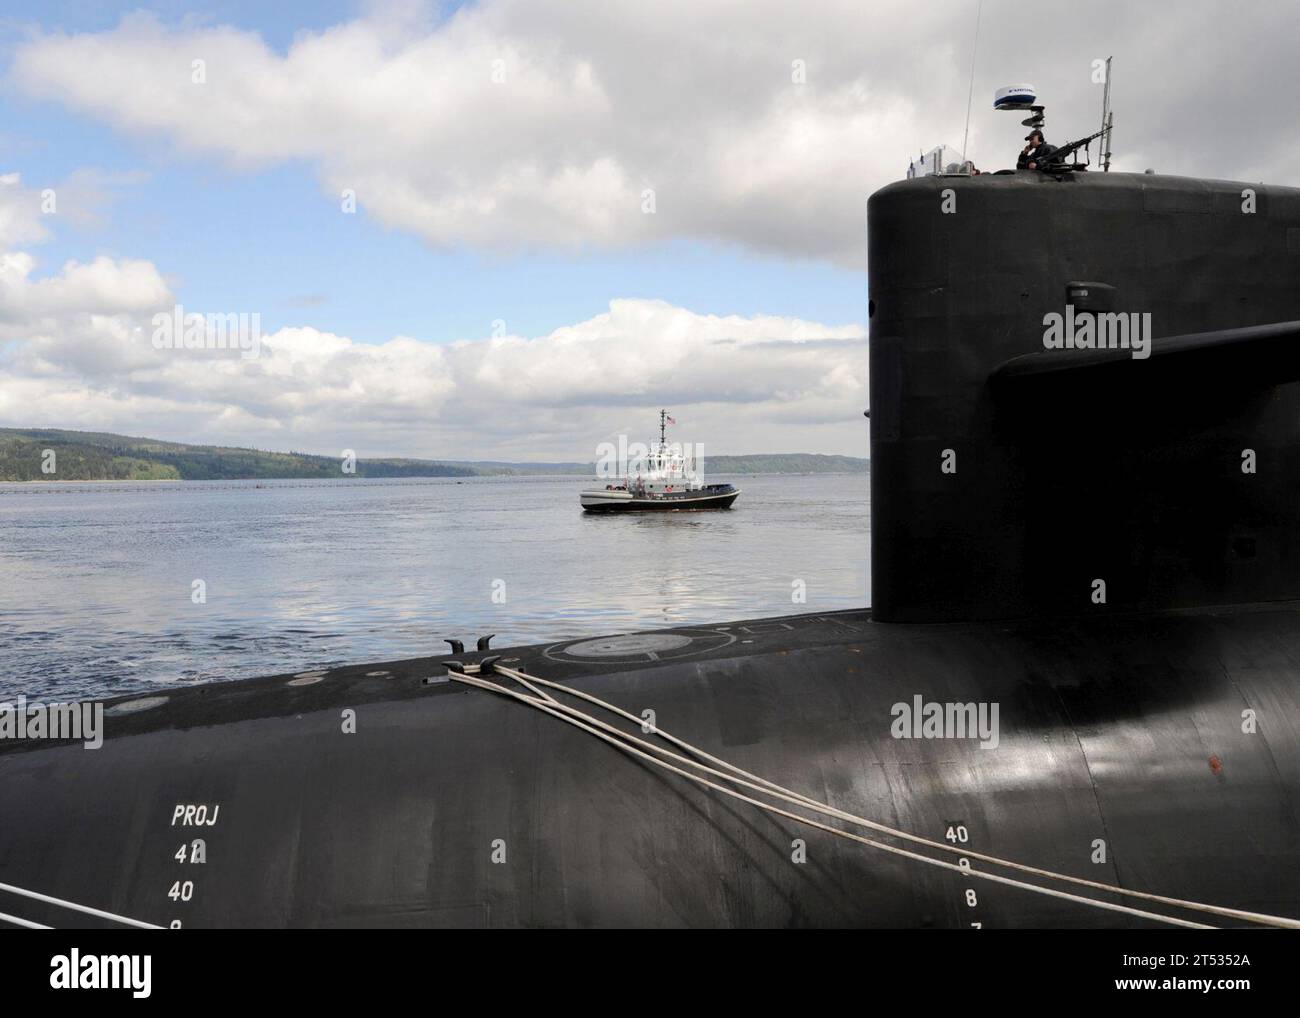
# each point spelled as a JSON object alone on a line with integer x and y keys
{"x": 718, "y": 496}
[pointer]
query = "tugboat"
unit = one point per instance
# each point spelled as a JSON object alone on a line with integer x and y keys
{"x": 665, "y": 480}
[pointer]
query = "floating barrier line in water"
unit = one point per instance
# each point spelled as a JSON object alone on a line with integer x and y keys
{"x": 628, "y": 743}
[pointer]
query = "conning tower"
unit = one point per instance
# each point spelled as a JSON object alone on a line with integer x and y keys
{"x": 1010, "y": 479}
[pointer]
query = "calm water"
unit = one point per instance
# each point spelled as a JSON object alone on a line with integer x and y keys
{"x": 96, "y": 580}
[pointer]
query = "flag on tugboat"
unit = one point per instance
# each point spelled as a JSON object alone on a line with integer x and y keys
{"x": 671, "y": 421}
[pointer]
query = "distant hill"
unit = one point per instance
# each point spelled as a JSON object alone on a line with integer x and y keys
{"x": 95, "y": 456}
{"x": 98, "y": 456}
{"x": 764, "y": 463}
{"x": 786, "y": 463}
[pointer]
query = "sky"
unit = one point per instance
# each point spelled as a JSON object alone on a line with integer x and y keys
{"x": 514, "y": 229}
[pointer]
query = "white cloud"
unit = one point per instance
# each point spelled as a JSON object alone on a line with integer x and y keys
{"x": 20, "y": 214}
{"x": 740, "y": 384}
{"x": 74, "y": 321}
{"x": 76, "y": 350}
{"x": 599, "y": 104}
{"x": 103, "y": 286}
{"x": 601, "y": 101}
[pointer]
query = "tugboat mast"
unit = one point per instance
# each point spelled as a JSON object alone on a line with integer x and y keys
{"x": 663, "y": 414}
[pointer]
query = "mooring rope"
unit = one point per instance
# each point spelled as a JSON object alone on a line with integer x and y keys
{"x": 25, "y": 923}
{"x": 791, "y": 795}
{"x": 62, "y": 903}
{"x": 627, "y": 742}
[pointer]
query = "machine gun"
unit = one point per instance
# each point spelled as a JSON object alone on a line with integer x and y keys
{"x": 1025, "y": 97}
{"x": 1056, "y": 162}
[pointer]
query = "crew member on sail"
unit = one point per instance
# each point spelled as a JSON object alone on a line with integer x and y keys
{"x": 1037, "y": 152}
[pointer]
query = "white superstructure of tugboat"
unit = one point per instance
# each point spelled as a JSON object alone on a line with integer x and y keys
{"x": 667, "y": 480}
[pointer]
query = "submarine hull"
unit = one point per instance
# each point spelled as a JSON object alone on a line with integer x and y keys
{"x": 1121, "y": 755}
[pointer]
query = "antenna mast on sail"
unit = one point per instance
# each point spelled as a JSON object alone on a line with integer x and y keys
{"x": 965, "y": 138}
{"x": 1107, "y": 122}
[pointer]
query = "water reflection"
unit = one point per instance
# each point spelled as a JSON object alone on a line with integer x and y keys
{"x": 96, "y": 581}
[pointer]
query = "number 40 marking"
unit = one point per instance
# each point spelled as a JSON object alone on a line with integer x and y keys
{"x": 957, "y": 834}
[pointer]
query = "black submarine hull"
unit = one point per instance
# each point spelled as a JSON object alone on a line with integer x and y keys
{"x": 456, "y": 807}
